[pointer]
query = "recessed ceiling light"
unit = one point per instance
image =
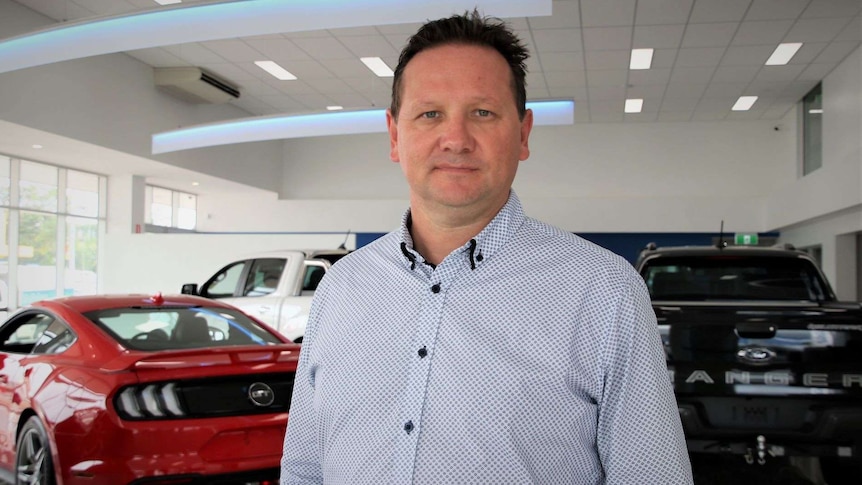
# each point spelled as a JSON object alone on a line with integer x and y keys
{"x": 377, "y": 65}
{"x": 195, "y": 184}
{"x": 334, "y": 108}
{"x": 37, "y": 146}
{"x": 168, "y": 2}
{"x": 816, "y": 111}
{"x": 277, "y": 71}
{"x": 641, "y": 59}
{"x": 783, "y": 53}
{"x": 634, "y": 105}
{"x": 744, "y": 103}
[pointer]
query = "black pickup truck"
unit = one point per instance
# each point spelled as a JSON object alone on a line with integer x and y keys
{"x": 765, "y": 361}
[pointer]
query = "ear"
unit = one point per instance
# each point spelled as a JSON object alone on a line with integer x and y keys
{"x": 392, "y": 126}
{"x": 526, "y": 128}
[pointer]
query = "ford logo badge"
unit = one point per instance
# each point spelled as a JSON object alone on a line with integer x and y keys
{"x": 261, "y": 394}
{"x": 756, "y": 355}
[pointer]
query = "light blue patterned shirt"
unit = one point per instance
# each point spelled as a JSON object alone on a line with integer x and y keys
{"x": 528, "y": 356}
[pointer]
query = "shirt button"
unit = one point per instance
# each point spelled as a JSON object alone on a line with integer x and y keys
{"x": 479, "y": 257}
{"x": 408, "y": 426}
{"x": 423, "y": 352}
{"x": 435, "y": 288}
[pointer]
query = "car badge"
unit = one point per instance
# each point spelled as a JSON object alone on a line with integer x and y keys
{"x": 756, "y": 355}
{"x": 261, "y": 394}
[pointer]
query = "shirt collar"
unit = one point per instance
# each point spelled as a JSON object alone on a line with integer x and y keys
{"x": 483, "y": 246}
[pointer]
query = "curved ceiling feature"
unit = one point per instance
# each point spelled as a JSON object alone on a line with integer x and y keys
{"x": 316, "y": 124}
{"x": 201, "y": 22}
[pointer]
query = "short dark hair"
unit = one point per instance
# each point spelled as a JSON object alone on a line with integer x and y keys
{"x": 471, "y": 29}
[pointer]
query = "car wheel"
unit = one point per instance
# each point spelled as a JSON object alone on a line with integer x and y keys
{"x": 33, "y": 464}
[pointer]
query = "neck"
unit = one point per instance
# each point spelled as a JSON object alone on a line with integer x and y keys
{"x": 437, "y": 233}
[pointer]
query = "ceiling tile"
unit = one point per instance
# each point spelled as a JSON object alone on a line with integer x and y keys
{"x": 195, "y": 54}
{"x": 664, "y": 58}
{"x": 694, "y": 75}
{"x": 278, "y": 49}
{"x": 815, "y": 72}
{"x": 565, "y": 15}
{"x": 779, "y": 73}
{"x": 346, "y": 68}
{"x": 775, "y": 9}
{"x": 853, "y": 31}
{"x": 233, "y": 50}
{"x": 658, "y": 36}
{"x": 761, "y": 32}
{"x": 709, "y": 35}
{"x": 725, "y": 90}
{"x": 684, "y": 90}
{"x": 607, "y": 59}
{"x": 836, "y": 52}
{"x": 663, "y": 12}
{"x": 816, "y": 29}
{"x": 674, "y": 116}
{"x": 718, "y": 11}
{"x": 558, "y": 40}
{"x": 649, "y": 77}
{"x": 702, "y": 56}
{"x": 607, "y": 93}
{"x": 568, "y": 92}
{"x": 562, "y": 61}
{"x": 808, "y": 52}
{"x": 566, "y": 78}
{"x": 747, "y": 55}
{"x": 652, "y": 92}
{"x": 615, "y": 77}
{"x": 368, "y": 46}
{"x": 735, "y": 74}
{"x": 832, "y": 8}
{"x": 607, "y": 13}
{"x": 607, "y": 38}
{"x": 326, "y": 48}
{"x": 684, "y": 105}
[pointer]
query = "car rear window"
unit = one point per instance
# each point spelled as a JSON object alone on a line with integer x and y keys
{"x": 732, "y": 278}
{"x": 173, "y": 328}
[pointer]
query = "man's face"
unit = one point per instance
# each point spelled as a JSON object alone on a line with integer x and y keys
{"x": 458, "y": 137}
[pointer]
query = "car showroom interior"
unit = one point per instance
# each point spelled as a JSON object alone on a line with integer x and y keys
{"x": 161, "y": 148}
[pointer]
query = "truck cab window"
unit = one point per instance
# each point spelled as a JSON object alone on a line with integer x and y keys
{"x": 264, "y": 276}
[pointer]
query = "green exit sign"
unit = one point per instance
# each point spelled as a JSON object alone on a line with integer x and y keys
{"x": 746, "y": 239}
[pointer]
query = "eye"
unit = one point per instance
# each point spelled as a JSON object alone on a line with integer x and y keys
{"x": 483, "y": 113}
{"x": 431, "y": 115}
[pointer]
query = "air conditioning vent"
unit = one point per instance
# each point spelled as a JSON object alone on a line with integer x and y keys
{"x": 194, "y": 85}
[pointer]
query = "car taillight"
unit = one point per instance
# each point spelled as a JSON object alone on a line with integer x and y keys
{"x": 149, "y": 401}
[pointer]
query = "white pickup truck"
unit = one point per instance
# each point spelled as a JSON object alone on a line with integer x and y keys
{"x": 274, "y": 286}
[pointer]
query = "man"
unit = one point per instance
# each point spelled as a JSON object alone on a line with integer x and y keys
{"x": 474, "y": 344}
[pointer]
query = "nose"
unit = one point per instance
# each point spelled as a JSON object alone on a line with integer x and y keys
{"x": 456, "y": 135}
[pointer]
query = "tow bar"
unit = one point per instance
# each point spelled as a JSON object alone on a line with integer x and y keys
{"x": 761, "y": 451}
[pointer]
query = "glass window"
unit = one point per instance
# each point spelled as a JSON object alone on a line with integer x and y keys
{"x": 264, "y": 276}
{"x": 82, "y": 194}
{"x": 82, "y": 256}
{"x": 37, "y": 257}
{"x": 4, "y": 263}
{"x": 224, "y": 283}
{"x": 161, "y": 206}
{"x": 5, "y": 164}
{"x": 812, "y": 130}
{"x": 187, "y": 211}
{"x": 38, "y": 186}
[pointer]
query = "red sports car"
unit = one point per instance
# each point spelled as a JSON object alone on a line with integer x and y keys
{"x": 134, "y": 389}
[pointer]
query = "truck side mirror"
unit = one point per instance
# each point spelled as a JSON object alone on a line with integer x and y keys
{"x": 189, "y": 289}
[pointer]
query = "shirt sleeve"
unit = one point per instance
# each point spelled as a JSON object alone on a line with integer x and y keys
{"x": 639, "y": 437}
{"x": 300, "y": 460}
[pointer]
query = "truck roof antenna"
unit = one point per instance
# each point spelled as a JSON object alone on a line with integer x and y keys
{"x": 721, "y": 243}
{"x": 344, "y": 243}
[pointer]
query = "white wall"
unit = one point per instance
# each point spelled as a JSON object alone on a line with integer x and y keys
{"x": 825, "y": 207}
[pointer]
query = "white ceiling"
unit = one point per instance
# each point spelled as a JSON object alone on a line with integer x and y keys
{"x": 707, "y": 54}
